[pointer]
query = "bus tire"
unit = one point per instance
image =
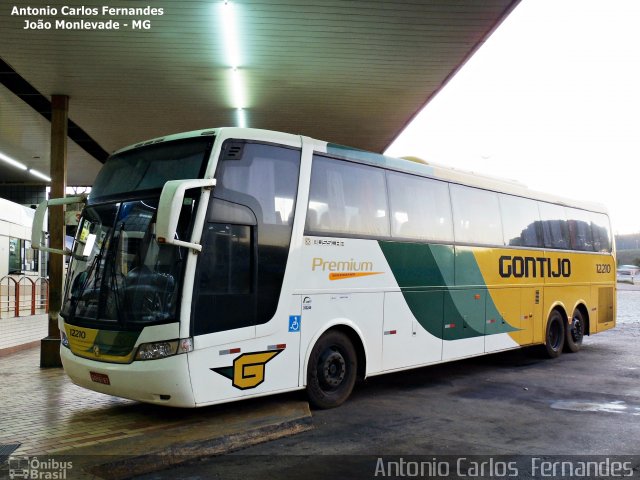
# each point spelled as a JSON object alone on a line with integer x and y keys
{"x": 555, "y": 337}
{"x": 575, "y": 332}
{"x": 332, "y": 370}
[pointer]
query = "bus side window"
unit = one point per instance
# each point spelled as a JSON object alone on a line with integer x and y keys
{"x": 601, "y": 232}
{"x": 554, "y": 225}
{"x": 420, "y": 208}
{"x": 521, "y": 221}
{"x": 580, "y": 229}
{"x": 476, "y": 215}
{"x": 347, "y": 198}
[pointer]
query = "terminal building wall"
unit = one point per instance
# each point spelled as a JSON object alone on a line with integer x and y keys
{"x": 16, "y": 255}
{"x": 17, "y": 261}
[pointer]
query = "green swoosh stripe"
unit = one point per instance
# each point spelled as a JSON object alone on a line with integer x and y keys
{"x": 427, "y": 274}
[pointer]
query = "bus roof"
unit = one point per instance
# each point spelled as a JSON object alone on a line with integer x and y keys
{"x": 441, "y": 172}
{"x": 409, "y": 164}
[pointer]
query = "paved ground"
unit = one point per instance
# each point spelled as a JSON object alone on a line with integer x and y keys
{"x": 505, "y": 406}
{"x": 508, "y": 404}
{"x": 18, "y": 333}
{"x": 48, "y": 416}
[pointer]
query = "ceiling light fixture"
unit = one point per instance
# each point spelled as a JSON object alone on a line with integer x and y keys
{"x": 237, "y": 84}
{"x": 242, "y": 118}
{"x": 230, "y": 35}
{"x": 12, "y": 162}
{"x": 38, "y": 174}
{"x": 237, "y": 89}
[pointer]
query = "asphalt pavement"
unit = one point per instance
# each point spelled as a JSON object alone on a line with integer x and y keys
{"x": 509, "y": 407}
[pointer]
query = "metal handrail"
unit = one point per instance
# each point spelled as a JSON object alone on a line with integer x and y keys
{"x": 23, "y": 294}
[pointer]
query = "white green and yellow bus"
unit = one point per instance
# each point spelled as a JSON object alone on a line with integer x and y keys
{"x": 225, "y": 264}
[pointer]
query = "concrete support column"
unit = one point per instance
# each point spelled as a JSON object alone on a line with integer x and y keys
{"x": 50, "y": 346}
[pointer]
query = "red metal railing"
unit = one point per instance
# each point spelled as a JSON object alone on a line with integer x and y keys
{"x": 23, "y": 296}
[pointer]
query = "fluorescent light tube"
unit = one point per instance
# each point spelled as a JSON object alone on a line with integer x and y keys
{"x": 38, "y": 174}
{"x": 12, "y": 162}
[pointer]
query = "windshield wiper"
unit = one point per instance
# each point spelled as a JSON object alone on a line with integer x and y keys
{"x": 75, "y": 298}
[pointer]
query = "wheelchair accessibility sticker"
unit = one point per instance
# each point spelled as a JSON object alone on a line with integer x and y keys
{"x": 294, "y": 323}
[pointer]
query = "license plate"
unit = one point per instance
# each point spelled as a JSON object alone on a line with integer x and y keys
{"x": 100, "y": 378}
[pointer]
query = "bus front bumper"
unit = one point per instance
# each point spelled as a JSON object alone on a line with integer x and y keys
{"x": 162, "y": 382}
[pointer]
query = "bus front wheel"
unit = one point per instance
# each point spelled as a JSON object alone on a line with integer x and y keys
{"x": 575, "y": 332}
{"x": 332, "y": 370}
{"x": 555, "y": 336}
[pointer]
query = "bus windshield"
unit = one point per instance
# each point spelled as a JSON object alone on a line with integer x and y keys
{"x": 150, "y": 167}
{"x": 119, "y": 273}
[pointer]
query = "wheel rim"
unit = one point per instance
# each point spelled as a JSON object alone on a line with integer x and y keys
{"x": 332, "y": 368}
{"x": 554, "y": 335}
{"x": 577, "y": 330}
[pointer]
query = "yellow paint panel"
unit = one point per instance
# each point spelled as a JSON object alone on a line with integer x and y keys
{"x": 81, "y": 339}
{"x": 563, "y": 279}
{"x": 82, "y": 342}
{"x": 531, "y": 267}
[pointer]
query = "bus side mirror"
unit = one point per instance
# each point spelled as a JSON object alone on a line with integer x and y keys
{"x": 38, "y": 222}
{"x": 169, "y": 208}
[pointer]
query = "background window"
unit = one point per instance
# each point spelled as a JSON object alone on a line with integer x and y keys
{"x": 554, "y": 225}
{"x": 420, "y": 208}
{"x": 15, "y": 255}
{"x": 521, "y": 221}
{"x": 476, "y": 215}
{"x": 22, "y": 258}
{"x": 347, "y": 198}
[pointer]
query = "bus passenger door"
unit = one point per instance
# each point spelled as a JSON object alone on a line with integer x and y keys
{"x": 244, "y": 325}
{"x": 225, "y": 292}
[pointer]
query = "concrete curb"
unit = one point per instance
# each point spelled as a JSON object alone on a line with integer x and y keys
{"x": 159, "y": 450}
{"x": 176, "y": 454}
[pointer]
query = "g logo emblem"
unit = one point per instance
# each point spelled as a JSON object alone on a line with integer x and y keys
{"x": 248, "y": 369}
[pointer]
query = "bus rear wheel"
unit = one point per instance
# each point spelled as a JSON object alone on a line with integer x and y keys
{"x": 332, "y": 370}
{"x": 575, "y": 332}
{"x": 555, "y": 336}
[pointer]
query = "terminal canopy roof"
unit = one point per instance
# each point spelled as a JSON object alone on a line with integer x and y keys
{"x": 353, "y": 72}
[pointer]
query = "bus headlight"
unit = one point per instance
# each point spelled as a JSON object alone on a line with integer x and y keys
{"x": 63, "y": 339}
{"x": 156, "y": 350}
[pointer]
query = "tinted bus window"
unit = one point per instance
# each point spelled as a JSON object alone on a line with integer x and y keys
{"x": 601, "y": 232}
{"x": 265, "y": 179}
{"x": 420, "y": 208}
{"x": 149, "y": 168}
{"x": 579, "y": 223}
{"x": 347, "y": 198}
{"x": 521, "y": 221}
{"x": 245, "y": 244}
{"x": 476, "y": 215}
{"x": 554, "y": 224}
